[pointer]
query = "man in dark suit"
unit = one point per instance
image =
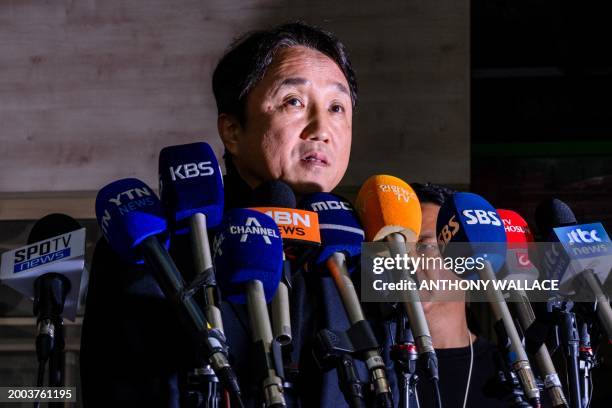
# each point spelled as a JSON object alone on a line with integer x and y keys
{"x": 285, "y": 98}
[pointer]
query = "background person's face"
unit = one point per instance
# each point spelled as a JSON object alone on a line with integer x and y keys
{"x": 429, "y": 246}
{"x": 298, "y": 123}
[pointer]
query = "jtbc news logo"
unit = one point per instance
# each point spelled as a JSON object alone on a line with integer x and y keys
{"x": 585, "y": 239}
{"x": 190, "y": 170}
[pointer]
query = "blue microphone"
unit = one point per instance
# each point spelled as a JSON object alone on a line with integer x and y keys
{"x": 190, "y": 183}
{"x": 131, "y": 218}
{"x": 248, "y": 253}
{"x": 469, "y": 226}
{"x": 341, "y": 238}
{"x": 191, "y": 189}
{"x": 472, "y": 227}
{"x": 340, "y": 228}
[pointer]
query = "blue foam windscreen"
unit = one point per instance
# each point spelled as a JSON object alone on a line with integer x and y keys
{"x": 128, "y": 211}
{"x": 190, "y": 182}
{"x": 274, "y": 193}
{"x": 552, "y": 213}
{"x": 340, "y": 228}
{"x": 472, "y": 227}
{"x": 247, "y": 247}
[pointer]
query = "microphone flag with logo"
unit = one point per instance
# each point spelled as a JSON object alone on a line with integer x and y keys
{"x": 190, "y": 182}
{"x": 248, "y": 247}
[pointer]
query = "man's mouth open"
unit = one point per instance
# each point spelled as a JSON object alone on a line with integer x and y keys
{"x": 315, "y": 159}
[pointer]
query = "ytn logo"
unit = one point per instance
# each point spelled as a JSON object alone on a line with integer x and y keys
{"x": 481, "y": 217}
{"x": 125, "y": 202}
{"x": 579, "y": 236}
{"x": 190, "y": 170}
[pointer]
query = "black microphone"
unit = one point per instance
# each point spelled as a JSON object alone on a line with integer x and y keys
{"x": 586, "y": 256}
{"x": 49, "y": 270}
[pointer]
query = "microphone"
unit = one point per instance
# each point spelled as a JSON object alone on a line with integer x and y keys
{"x": 191, "y": 190}
{"x": 469, "y": 219}
{"x": 132, "y": 221}
{"x": 341, "y": 237}
{"x": 390, "y": 210}
{"x": 249, "y": 251}
{"x": 585, "y": 256}
{"x": 519, "y": 266}
{"x": 49, "y": 271}
{"x": 277, "y": 200}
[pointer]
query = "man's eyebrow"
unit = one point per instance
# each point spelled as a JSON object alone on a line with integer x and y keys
{"x": 427, "y": 235}
{"x": 291, "y": 81}
{"x": 294, "y": 81}
{"x": 342, "y": 88}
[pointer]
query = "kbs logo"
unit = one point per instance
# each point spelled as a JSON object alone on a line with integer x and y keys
{"x": 126, "y": 202}
{"x": 481, "y": 217}
{"x": 294, "y": 224}
{"x": 448, "y": 232}
{"x": 400, "y": 192}
{"x": 331, "y": 205}
{"x": 190, "y": 170}
{"x": 579, "y": 236}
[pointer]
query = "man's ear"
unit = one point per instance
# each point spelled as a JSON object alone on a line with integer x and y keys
{"x": 229, "y": 129}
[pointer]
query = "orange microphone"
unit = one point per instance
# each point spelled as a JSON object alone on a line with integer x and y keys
{"x": 390, "y": 211}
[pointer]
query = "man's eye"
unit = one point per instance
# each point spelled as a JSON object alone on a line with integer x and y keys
{"x": 336, "y": 108}
{"x": 294, "y": 102}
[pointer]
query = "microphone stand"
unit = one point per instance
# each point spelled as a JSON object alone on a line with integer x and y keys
{"x": 569, "y": 342}
{"x": 507, "y": 378}
{"x": 405, "y": 356}
{"x": 586, "y": 363}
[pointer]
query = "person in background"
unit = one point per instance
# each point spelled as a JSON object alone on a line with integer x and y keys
{"x": 468, "y": 365}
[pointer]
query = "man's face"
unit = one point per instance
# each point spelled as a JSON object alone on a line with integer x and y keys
{"x": 298, "y": 124}
{"x": 429, "y": 246}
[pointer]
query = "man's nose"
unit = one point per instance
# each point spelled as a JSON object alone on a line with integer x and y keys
{"x": 318, "y": 127}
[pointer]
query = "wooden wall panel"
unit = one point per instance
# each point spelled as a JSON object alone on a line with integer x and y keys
{"x": 90, "y": 91}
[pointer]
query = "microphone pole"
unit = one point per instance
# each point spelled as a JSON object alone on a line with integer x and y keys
{"x": 404, "y": 356}
{"x": 191, "y": 189}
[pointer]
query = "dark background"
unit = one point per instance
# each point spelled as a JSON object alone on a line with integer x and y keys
{"x": 541, "y": 106}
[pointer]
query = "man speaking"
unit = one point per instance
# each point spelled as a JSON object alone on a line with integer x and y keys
{"x": 285, "y": 98}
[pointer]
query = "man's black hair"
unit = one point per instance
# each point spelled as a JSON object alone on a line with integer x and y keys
{"x": 432, "y": 193}
{"x": 247, "y": 59}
